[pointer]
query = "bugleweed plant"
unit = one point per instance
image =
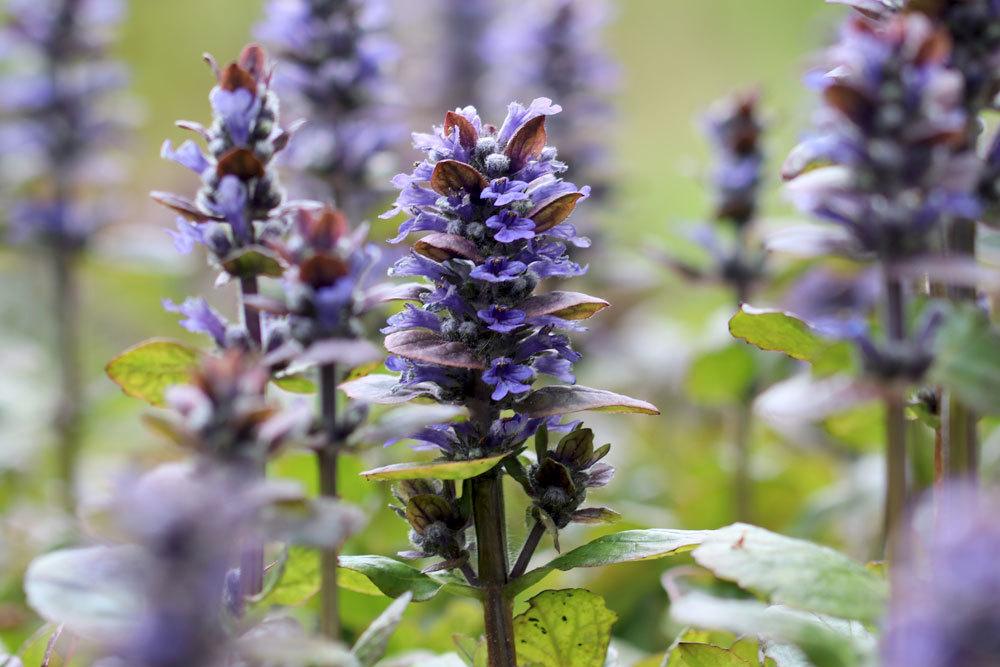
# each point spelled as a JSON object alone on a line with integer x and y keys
{"x": 59, "y": 84}
{"x": 493, "y": 210}
{"x": 334, "y": 57}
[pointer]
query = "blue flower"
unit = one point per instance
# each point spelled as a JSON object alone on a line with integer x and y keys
{"x": 498, "y": 270}
{"x": 508, "y": 377}
{"x": 200, "y": 318}
{"x": 238, "y": 110}
{"x": 501, "y": 319}
{"x": 503, "y": 191}
{"x": 510, "y": 226}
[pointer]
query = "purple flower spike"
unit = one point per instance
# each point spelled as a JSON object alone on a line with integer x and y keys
{"x": 200, "y": 318}
{"x": 502, "y": 319}
{"x": 508, "y": 377}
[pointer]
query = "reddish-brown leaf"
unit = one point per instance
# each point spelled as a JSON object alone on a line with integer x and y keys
{"x": 467, "y": 134}
{"x": 241, "y": 163}
{"x": 551, "y": 213}
{"x": 253, "y": 60}
{"x": 451, "y": 176}
{"x": 441, "y": 247}
{"x": 185, "y": 207}
{"x": 563, "y": 399}
{"x": 429, "y": 347}
{"x": 567, "y": 305}
{"x": 234, "y": 77}
{"x": 527, "y": 143}
{"x": 322, "y": 270}
{"x": 849, "y": 101}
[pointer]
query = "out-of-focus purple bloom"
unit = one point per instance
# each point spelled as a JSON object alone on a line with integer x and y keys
{"x": 943, "y": 610}
{"x": 239, "y": 188}
{"x": 199, "y": 317}
{"x": 894, "y": 128}
{"x": 556, "y": 49}
{"x": 507, "y": 377}
{"x": 836, "y": 304}
{"x": 55, "y": 90}
{"x": 334, "y": 60}
{"x": 735, "y": 127}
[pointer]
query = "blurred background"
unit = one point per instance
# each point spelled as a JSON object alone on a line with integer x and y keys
{"x": 674, "y": 58}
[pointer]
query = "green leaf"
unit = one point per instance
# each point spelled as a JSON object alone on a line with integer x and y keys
{"x": 793, "y": 572}
{"x": 392, "y": 578}
{"x": 624, "y": 547}
{"x": 569, "y": 628}
{"x": 148, "y": 369}
{"x": 252, "y": 261}
{"x": 967, "y": 360}
{"x": 776, "y": 331}
{"x": 453, "y": 470}
{"x": 722, "y": 376}
{"x": 704, "y": 655}
{"x": 371, "y": 645}
{"x": 296, "y": 383}
{"x": 827, "y": 642}
{"x": 564, "y": 399}
{"x": 300, "y": 579}
{"x": 95, "y": 592}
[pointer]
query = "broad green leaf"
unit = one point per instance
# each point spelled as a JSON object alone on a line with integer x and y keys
{"x": 569, "y": 628}
{"x": 782, "y": 332}
{"x": 371, "y": 645}
{"x": 148, "y": 369}
{"x": 827, "y": 642}
{"x": 390, "y": 577}
{"x": 624, "y": 547}
{"x": 300, "y": 579}
{"x": 967, "y": 360}
{"x": 689, "y": 654}
{"x": 564, "y": 399}
{"x": 722, "y": 376}
{"x": 793, "y": 572}
{"x": 96, "y": 592}
{"x": 296, "y": 383}
{"x": 453, "y": 470}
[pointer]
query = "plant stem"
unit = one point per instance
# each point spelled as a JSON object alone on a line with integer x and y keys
{"x": 895, "y": 427}
{"x": 961, "y": 441}
{"x": 327, "y": 459}
{"x": 251, "y": 316}
{"x": 742, "y": 495}
{"x": 530, "y": 544}
{"x": 252, "y": 559}
{"x": 491, "y": 541}
{"x": 68, "y": 413}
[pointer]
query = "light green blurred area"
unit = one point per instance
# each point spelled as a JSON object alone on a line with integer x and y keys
{"x": 676, "y": 57}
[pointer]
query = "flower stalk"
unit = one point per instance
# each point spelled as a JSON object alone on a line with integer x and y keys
{"x": 327, "y": 463}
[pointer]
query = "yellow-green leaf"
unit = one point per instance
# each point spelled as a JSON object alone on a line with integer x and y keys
{"x": 704, "y": 655}
{"x": 783, "y": 332}
{"x": 148, "y": 369}
{"x": 300, "y": 579}
{"x": 453, "y": 470}
{"x": 569, "y": 628}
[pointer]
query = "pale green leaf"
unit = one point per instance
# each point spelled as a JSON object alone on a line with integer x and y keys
{"x": 624, "y": 547}
{"x": 794, "y": 572}
{"x": 386, "y": 576}
{"x": 783, "y": 332}
{"x": 300, "y": 578}
{"x": 967, "y": 360}
{"x": 569, "y": 628}
{"x": 689, "y": 654}
{"x": 452, "y": 470}
{"x": 371, "y": 645}
{"x": 148, "y": 369}
{"x": 722, "y": 376}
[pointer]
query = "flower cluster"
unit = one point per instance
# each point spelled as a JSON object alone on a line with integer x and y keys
{"x": 326, "y": 264}
{"x": 893, "y": 128}
{"x": 943, "y": 610}
{"x": 232, "y": 213}
{"x": 222, "y": 413}
{"x": 55, "y": 116}
{"x": 334, "y": 55}
{"x": 556, "y": 49}
{"x": 558, "y": 482}
{"x": 494, "y": 209}
{"x": 437, "y": 522}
